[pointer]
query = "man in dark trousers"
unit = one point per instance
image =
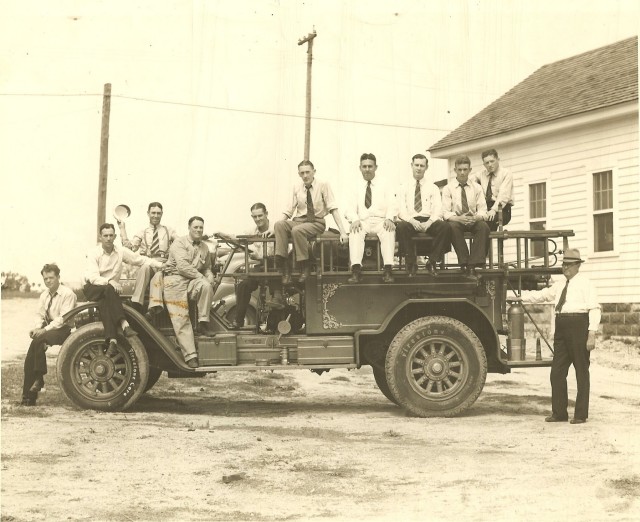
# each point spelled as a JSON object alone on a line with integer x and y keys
{"x": 49, "y": 329}
{"x": 577, "y": 320}
{"x": 420, "y": 210}
{"x": 497, "y": 186}
{"x": 102, "y": 281}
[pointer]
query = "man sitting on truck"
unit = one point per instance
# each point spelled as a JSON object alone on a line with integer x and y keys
{"x": 497, "y": 186}
{"x": 188, "y": 276}
{"x": 371, "y": 209}
{"x": 311, "y": 200}
{"x": 465, "y": 208}
{"x": 420, "y": 210}
{"x": 154, "y": 242}
{"x": 102, "y": 281}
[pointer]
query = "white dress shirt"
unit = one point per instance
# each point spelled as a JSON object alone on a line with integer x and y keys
{"x": 257, "y": 249}
{"x": 431, "y": 201}
{"x": 383, "y": 204}
{"x": 581, "y": 298}
{"x": 452, "y": 202}
{"x": 103, "y": 267}
{"x": 321, "y": 194}
{"x": 501, "y": 186}
{"x": 63, "y": 300}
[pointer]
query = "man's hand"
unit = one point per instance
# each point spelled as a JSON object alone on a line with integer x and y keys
{"x": 37, "y": 332}
{"x": 465, "y": 220}
{"x": 344, "y": 238}
{"x": 356, "y": 226}
{"x": 116, "y": 286}
{"x": 389, "y": 225}
{"x": 268, "y": 233}
{"x": 491, "y": 215}
{"x": 416, "y": 224}
{"x": 591, "y": 340}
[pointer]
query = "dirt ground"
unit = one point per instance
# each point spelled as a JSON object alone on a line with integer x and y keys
{"x": 309, "y": 447}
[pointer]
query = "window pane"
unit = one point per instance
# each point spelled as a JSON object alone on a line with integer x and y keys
{"x": 603, "y": 190}
{"x": 537, "y": 245}
{"x": 603, "y": 232}
{"x": 538, "y": 200}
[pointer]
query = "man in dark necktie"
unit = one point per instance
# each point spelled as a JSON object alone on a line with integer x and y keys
{"x": 577, "y": 319}
{"x": 465, "y": 209}
{"x": 420, "y": 210}
{"x": 312, "y": 199}
{"x": 49, "y": 329}
{"x": 154, "y": 242}
{"x": 497, "y": 186}
{"x": 188, "y": 277}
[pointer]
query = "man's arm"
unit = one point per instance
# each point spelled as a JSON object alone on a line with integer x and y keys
{"x": 39, "y": 319}
{"x": 183, "y": 264}
{"x": 92, "y": 271}
{"x": 504, "y": 192}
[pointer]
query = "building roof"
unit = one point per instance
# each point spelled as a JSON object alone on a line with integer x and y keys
{"x": 593, "y": 80}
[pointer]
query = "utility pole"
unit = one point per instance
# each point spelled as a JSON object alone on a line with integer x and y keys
{"x": 307, "y": 124}
{"x": 104, "y": 154}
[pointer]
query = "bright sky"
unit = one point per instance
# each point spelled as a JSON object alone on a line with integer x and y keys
{"x": 207, "y": 114}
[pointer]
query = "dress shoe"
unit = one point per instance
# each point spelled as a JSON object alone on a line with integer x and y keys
{"x": 577, "y": 421}
{"x": 412, "y": 269}
{"x": 193, "y": 363}
{"x": 355, "y": 275}
{"x": 27, "y": 401}
{"x": 304, "y": 271}
{"x": 553, "y": 418}
{"x": 430, "y": 267}
{"x": 203, "y": 328}
{"x": 386, "y": 276}
{"x": 152, "y": 313}
{"x": 129, "y": 332}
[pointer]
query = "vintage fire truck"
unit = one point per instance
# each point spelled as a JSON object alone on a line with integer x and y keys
{"x": 430, "y": 340}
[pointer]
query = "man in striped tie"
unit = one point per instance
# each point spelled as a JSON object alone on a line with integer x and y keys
{"x": 154, "y": 242}
{"x": 49, "y": 329}
{"x": 420, "y": 210}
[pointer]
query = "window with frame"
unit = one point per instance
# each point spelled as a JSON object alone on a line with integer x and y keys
{"x": 538, "y": 216}
{"x": 603, "y": 211}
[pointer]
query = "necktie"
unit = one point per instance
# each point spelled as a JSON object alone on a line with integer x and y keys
{"x": 417, "y": 198}
{"x": 463, "y": 198}
{"x": 489, "y": 191}
{"x": 563, "y": 298}
{"x": 156, "y": 242}
{"x": 367, "y": 195}
{"x": 311, "y": 212}
{"x": 47, "y": 316}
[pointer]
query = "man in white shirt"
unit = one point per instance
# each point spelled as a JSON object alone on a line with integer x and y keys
{"x": 102, "y": 281}
{"x": 420, "y": 210}
{"x": 464, "y": 207}
{"x": 311, "y": 200}
{"x": 497, "y": 186}
{"x": 577, "y": 319}
{"x": 154, "y": 242}
{"x": 371, "y": 209}
{"x": 49, "y": 329}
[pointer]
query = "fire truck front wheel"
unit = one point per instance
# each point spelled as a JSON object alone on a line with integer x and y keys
{"x": 99, "y": 376}
{"x": 436, "y": 367}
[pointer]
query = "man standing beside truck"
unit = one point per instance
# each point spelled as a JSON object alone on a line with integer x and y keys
{"x": 577, "y": 319}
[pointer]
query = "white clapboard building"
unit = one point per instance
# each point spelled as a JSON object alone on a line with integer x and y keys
{"x": 569, "y": 135}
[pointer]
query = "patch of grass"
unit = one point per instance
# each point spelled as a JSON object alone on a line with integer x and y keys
{"x": 341, "y": 378}
{"x": 16, "y": 294}
{"x": 11, "y": 390}
{"x": 392, "y": 434}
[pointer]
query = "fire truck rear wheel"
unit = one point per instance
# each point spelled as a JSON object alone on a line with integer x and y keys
{"x": 97, "y": 376}
{"x": 380, "y": 375}
{"x": 436, "y": 367}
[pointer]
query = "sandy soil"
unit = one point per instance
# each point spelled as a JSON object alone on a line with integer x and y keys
{"x": 308, "y": 447}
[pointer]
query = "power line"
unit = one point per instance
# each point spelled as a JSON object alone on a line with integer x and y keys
{"x": 231, "y": 109}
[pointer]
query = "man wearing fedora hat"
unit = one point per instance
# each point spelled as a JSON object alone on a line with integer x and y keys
{"x": 577, "y": 320}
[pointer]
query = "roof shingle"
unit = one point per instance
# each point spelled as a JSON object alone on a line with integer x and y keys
{"x": 596, "y": 79}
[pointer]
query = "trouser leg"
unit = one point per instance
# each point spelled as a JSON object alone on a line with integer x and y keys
{"x": 559, "y": 369}
{"x": 440, "y": 231}
{"x": 109, "y": 305}
{"x": 281, "y": 231}
{"x": 35, "y": 363}
{"x": 201, "y": 291}
{"x": 301, "y": 232}
{"x": 404, "y": 234}
{"x": 459, "y": 243}
{"x": 143, "y": 277}
{"x": 480, "y": 244}
{"x": 387, "y": 243}
{"x": 177, "y": 303}
{"x": 155, "y": 290}
{"x": 356, "y": 246}
{"x": 243, "y": 296}
{"x": 581, "y": 362}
